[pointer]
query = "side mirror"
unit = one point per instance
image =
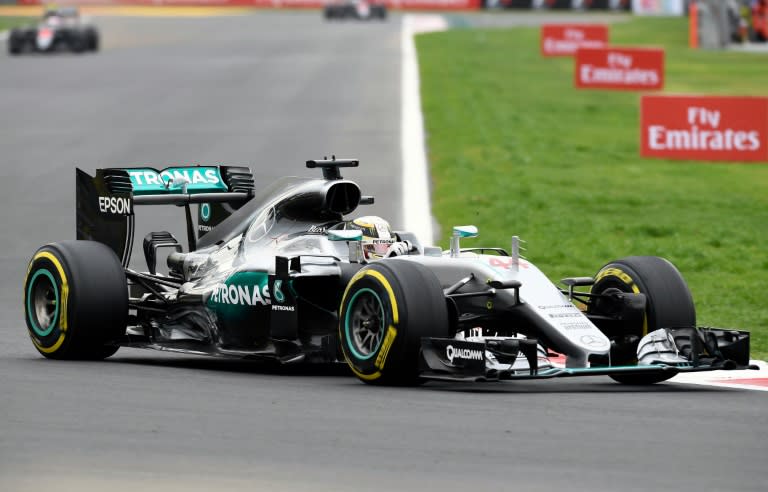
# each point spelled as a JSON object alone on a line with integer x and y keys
{"x": 465, "y": 231}
{"x": 354, "y": 239}
{"x": 345, "y": 235}
{"x": 458, "y": 233}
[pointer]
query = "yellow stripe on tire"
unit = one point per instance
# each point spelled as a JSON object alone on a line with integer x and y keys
{"x": 368, "y": 377}
{"x": 385, "y": 283}
{"x": 385, "y": 346}
{"x": 64, "y": 297}
{"x": 621, "y": 274}
{"x": 627, "y": 279}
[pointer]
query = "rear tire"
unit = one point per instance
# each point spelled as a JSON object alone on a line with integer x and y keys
{"x": 75, "y": 300}
{"x": 669, "y": 303}
{"x": 387, "y": 308}
{"x": 92, "y": 39}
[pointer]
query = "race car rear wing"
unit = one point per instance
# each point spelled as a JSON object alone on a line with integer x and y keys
{"x": 105, "y": 202}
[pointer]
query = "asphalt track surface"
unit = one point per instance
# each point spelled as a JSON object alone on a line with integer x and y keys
{"x": 272, "y": 90}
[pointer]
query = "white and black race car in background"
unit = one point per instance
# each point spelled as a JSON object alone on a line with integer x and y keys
{"x": 355, "y": 9}
{"x": 58, "y": 30}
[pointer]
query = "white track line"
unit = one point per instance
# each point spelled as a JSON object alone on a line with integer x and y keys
{"x": 721, "y": 379}
{"x": 417, "y": 211}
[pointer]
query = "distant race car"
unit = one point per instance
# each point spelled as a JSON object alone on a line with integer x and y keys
{"x": 281, "y": 274}
{"x": 355, "y": 9}
{"x": 59, "y": 29}
{"x": 759, "y": 14}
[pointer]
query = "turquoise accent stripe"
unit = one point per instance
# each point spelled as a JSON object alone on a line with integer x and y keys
{"x": 606, "y": 369}
{"x": 347, "y": 327}
{"x": 31, "y": 312}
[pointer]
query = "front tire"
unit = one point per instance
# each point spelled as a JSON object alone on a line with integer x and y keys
{"x": 75, "y": 300}
{"x": 387, "y": 308}
{"x": 15, "y": 42}
{"x": 669, "y": 304}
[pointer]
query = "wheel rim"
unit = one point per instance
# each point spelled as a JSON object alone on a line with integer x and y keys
{"x": 43, "y": 302}
{"x": 364, "y": 324}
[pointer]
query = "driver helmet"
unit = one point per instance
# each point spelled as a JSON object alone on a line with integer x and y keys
{"x": 377, "y": 235}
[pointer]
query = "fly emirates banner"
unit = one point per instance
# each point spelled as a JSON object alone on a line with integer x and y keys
{"x": 707, "y": 128}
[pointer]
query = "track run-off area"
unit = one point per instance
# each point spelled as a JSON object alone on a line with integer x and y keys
{"x": 270, "y": 90}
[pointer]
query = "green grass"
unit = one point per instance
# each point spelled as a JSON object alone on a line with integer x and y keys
{"x": 515, "y": 149}
{"x": 9, "y": 22}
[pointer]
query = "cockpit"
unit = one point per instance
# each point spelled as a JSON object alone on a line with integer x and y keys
{"x": 272, "y": 234}
{"x": 67, "y": 13}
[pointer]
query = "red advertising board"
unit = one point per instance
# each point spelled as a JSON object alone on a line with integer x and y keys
{"x": 565, "y": 39}
{"x": 707, "y": 128}
{"x": 619, "y": 68}
{"x": 397, "y": 4}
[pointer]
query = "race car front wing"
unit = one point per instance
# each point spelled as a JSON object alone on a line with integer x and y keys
{"x": 666, "y": 351}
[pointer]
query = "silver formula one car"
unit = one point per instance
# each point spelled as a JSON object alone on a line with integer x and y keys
{"x": 280, "y": 274}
